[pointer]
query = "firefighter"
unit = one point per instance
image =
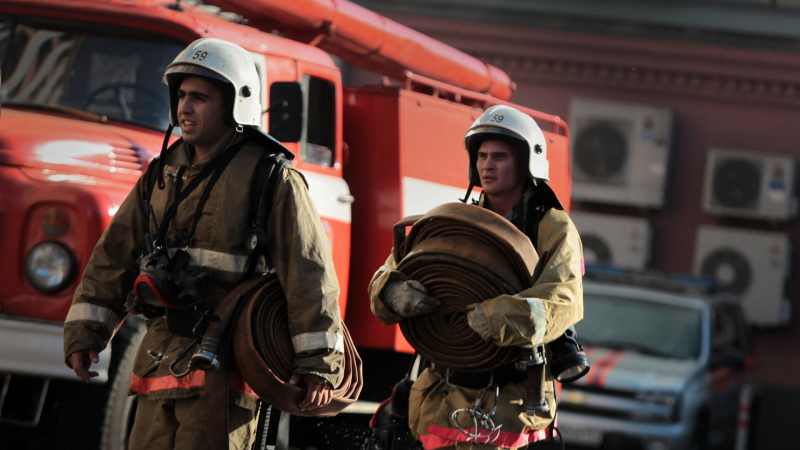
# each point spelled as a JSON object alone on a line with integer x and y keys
{"x": 214, "y": 97}
{"x": 507, "y": 155}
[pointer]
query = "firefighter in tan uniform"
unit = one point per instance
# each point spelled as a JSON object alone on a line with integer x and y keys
{"x": 214, "y": 95}
{"x": 507, "y": 153}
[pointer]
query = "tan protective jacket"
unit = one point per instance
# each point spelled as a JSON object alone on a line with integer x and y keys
{"x": 535, "y": 316}
{"x": 298, "y": 251}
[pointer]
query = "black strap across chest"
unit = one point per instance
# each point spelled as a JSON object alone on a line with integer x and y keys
{"x": 213, "y": 169}
{"x": 532, "y": 213}
{"x": 264, "y": 183}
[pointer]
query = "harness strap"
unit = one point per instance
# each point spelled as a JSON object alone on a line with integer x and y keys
{"x": 164, "y": 149}
{"x": 221, "y": 162}
{"x": 271, "y": 186}
{"x": 155, "y": 170}
{"x": 267, "y": 175}
{"x": 258, "y": 185}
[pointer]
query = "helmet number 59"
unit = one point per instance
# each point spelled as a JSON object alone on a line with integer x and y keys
{"x": 497, "y": 118}
{"x": 199, "y": 55}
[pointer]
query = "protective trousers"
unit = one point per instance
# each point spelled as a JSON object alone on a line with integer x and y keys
{"x": 433, "y": 403}
{"x": 179, "y": 424}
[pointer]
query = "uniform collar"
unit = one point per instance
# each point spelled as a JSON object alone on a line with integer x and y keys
{"x": 519, "y": 207}
{"x": 228, "y": 139}
{"x": 526, "y": 198}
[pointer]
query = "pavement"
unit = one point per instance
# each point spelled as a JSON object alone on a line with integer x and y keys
{"x": 777, "y": 419}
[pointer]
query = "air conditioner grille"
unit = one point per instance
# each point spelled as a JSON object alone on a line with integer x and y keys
{"x": 596, "y": 250}
{"x": 601, "y": 150}
{"x": 737, "y": 183}
{"x": 730, "y": 269}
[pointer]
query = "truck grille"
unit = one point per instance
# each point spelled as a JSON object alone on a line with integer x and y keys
{"x": 615, "y": 404}
{"x": 126, "y": 158}
{"x": 602, "y": 390}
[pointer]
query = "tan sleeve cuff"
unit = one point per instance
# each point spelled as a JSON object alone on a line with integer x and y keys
{"x": 81, "y": 337}
{"x": 326, "y": 364}
{"x": 511, "y": 320}
{"x": 317, "y": 378}
{"x": 377, "y": 287}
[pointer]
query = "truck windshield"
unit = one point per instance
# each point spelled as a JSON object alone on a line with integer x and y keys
{"x": 87, "y": 68}
{"x": 643, "y": 326}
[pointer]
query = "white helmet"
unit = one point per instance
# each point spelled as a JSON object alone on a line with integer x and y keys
{"x": 222, "y": 61}
{"x": 504, "y": 123}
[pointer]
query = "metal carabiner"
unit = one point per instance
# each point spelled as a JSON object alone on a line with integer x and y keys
{"x": 157, "y": 358}
{"x": 496, "y": 399}
{"x": 190, "y": 367}
{"x": 485, "y": 391}
{"x": 447, "y": 388}
{"x": 480, "y": 419}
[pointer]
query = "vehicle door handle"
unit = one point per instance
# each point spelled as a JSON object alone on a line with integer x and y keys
{"x": 346, "y": 199}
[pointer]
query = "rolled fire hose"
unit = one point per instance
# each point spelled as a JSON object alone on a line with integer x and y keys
{"x": 263, "y": 350}
{"x": 254, "y": 316}
{"x": 463, "y": 255}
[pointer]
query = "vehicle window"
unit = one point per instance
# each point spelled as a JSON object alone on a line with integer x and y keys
{"x": 726, "y": 330}
{"x": 640, "y": 325}
{"x": 319, "y": 133}
{"x": 737, "y": 318}
{"x": 718, "y": 325}
{"x": 117, "y": 77}
{"x": 724, "y": 334}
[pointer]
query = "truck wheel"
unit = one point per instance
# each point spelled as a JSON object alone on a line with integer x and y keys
{"x": 700, "y": 439}
{"x": 118, "y": 407}
{"x": 96, "y": 416}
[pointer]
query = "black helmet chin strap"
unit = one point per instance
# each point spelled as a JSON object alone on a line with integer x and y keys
{"x": 469, "y": 192}
{"x": 161, "y": 184}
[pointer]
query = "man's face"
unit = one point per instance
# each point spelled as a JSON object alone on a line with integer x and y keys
{"x": 201, "y": 112}
{"x": 498, "y": 168}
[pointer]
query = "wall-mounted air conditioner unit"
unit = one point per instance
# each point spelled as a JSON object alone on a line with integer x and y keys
{"x": 753, "y": 265}
{"x": 751, "y": 185}
{"x": 616, "y": 240}
{"x": 619, "y": 152}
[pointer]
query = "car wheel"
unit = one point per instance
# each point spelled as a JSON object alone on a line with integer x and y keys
{"x": 95, "y": 416}
{"x": 119, "y": 406}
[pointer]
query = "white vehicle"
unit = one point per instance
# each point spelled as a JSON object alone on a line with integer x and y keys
{"x": 668, "y": 369}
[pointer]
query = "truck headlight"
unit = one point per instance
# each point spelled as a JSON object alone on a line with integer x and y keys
{"x": 50, "y": 267}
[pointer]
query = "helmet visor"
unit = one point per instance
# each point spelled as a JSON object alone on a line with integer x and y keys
{"x": 186, "y": 69}
{"x": 478, "y": 135}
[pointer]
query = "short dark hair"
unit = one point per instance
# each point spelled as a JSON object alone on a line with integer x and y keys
{"x": 223, "y": 87}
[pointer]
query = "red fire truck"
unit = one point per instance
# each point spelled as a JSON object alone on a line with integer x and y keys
{"x": 84, "y": 110}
